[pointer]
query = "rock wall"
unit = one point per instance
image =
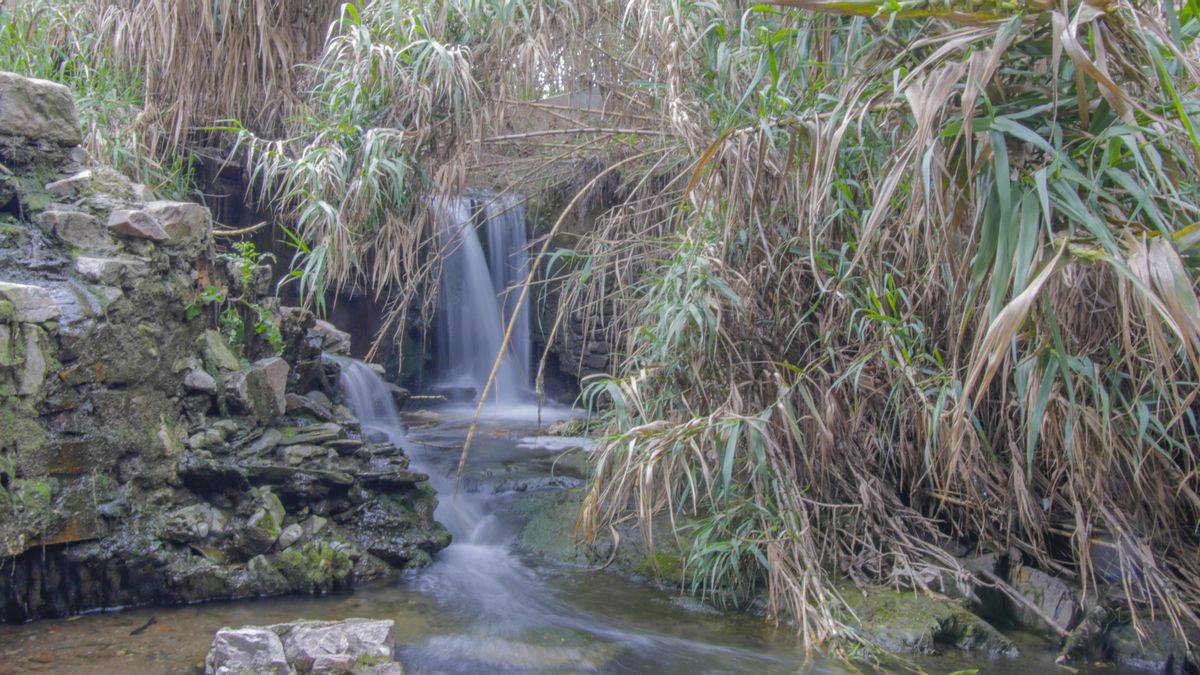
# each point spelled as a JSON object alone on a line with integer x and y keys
{"x": 143, "y": 456}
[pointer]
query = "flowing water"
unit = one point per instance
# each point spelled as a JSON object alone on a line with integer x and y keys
{"x": 478, "y": 295}
{"x": 484, "y": 606}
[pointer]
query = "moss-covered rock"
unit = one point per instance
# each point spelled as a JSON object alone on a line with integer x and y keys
{"x": 909, "y": 621}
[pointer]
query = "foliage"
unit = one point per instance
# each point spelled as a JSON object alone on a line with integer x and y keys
{"x": 883, "y": 285}
{"x": 233, "y": 312}
{"x": 56, "y": 40}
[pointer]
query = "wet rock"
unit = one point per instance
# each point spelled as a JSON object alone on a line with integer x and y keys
{"x": 242, "y": 651}
{"x": 136, "y": 224}
{"x": 30, "y": 304}
{"x": 208, "y": 476}
{"x": 198, "y": 380}
{"x": 214, "y": 349}
{"x": 109, "y": 271}
{"x": 400, "y": 395}
{"x": 312, "y": 435}
{"x": 1159, "y": 650}
{"x": 260, "y": 533}
{"x": 36, "y": 362}
{"x": 194, "y": 523}
{"x": 182, "y": 222}
{"x": 295, "y": 455}
{"x": 260, "y": 390}
{"x": 269, "y": 439}
{"x": 38, "y": 109}
{"x": 207, "y": 439}
{"x": 914, "y": 622}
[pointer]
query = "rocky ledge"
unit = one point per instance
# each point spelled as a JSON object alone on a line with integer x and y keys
{"x": 168, "y": 432}
{"x": 355, "y": 646}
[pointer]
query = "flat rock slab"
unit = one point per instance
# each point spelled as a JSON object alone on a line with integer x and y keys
{"x": 31, "y": 304}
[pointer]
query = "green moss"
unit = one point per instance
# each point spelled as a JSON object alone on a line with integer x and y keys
{"x": 19, "y": 428}
{"x": 315, "y": 566}
{"x": 662, "y": 565}
{"x": 368, "y": 660}
{"x": 6, "y": 308}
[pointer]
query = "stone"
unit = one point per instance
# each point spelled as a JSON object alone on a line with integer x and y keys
{"x": 38, "y": 109}
{"x": 246, "y": 651}
{"x": 34, "y": 372}
{"x": 1052, "y": 596}
{"x": 308, "y": 643}
{"x": 914, "y": 622}
{"x": 298, "y": 403}
{"x": 182, "y": 222}
{"x": 260, "y": 390}
{"x": 269, "y": 439}
{"x": 295, "y": 455}
{"x": 313, "y": 525}
{"x": 273, "y": 506}
{"x": 77, "y": 228}
{"x": 260, "y": 533}
{"x": 198, "y": 380}
{"x": 136, "y": 224}
{"x": 1159, "y": 650}
{"x": 329, "y": 338}
{"x": 215, "y": 351}
{"x": 320, "y": 399}
{"x": 194, "y": 523}
{"x": 72, "y": 186}
{"x": 31, "y": 304}
{"x": 290, "y": 535}
{"x": 109, "y": 271}
{"x": 399, "y": 394}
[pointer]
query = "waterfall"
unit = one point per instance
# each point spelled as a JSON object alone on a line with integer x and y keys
{"x": 478, "y": 294}
{"x": 368, "y": 397}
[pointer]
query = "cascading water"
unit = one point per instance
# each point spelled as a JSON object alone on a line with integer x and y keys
{"x": 478, "y": 295}
{"x": 513, "y": 616}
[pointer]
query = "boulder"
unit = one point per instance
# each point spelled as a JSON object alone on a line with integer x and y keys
{"x": 260, "y": 390}
{"x": 215, "y": 351}
{"x": 1051, "y": 595}
{"x": 136, "y": 224}
{"x": 338, "y": 646}
{"x": 290, "y": 535}
{"x": 915, "y": 622}
{"x": 31, "y": 304}
{"x": 1159, "y": 649}
{"x": 198, "y": 380}
{"x": 246, "y": 651}
{"x": 38, "y": 109}
{"x": 183, "y": 222}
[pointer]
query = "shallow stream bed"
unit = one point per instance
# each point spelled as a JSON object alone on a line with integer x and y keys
{"x": 484, "y": 606}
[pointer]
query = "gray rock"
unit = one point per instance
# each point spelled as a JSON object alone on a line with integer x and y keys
{"x": 136, "y": 224}
{"x": 329, "y": 338}
{"x": 218, "y": 357}
{"x": 34, "y": 372}
{"x": 319, "y": 398}
{"x": 194, "y": 523}
{"x": 38, "y": 109}
{"x": 267, "y": 441}
{"x": 109, "y": 271}
{"x": 295, "y": 455}
{"x": 31, "y": 304}
{"x": 313, "y": 525}
{"x": 247, "y": 651}
{"x": 260, "y": 390}
{"x": 183, "y": 222}
{"x": 1053, "y": 597}
{"x": 273, "y": 506}
{"x": 198, "y": 380}
{"x": 1159, "y": 650}
{"x": 77, "y": 228}
{"x": 290, "y": 535}
{"x": 313, "y": 644}
{"x": 72, "y": 186}
{"x": 914, "y": 622}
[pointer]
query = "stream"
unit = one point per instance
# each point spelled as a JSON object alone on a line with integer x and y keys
{"x": 484, "y": 605}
